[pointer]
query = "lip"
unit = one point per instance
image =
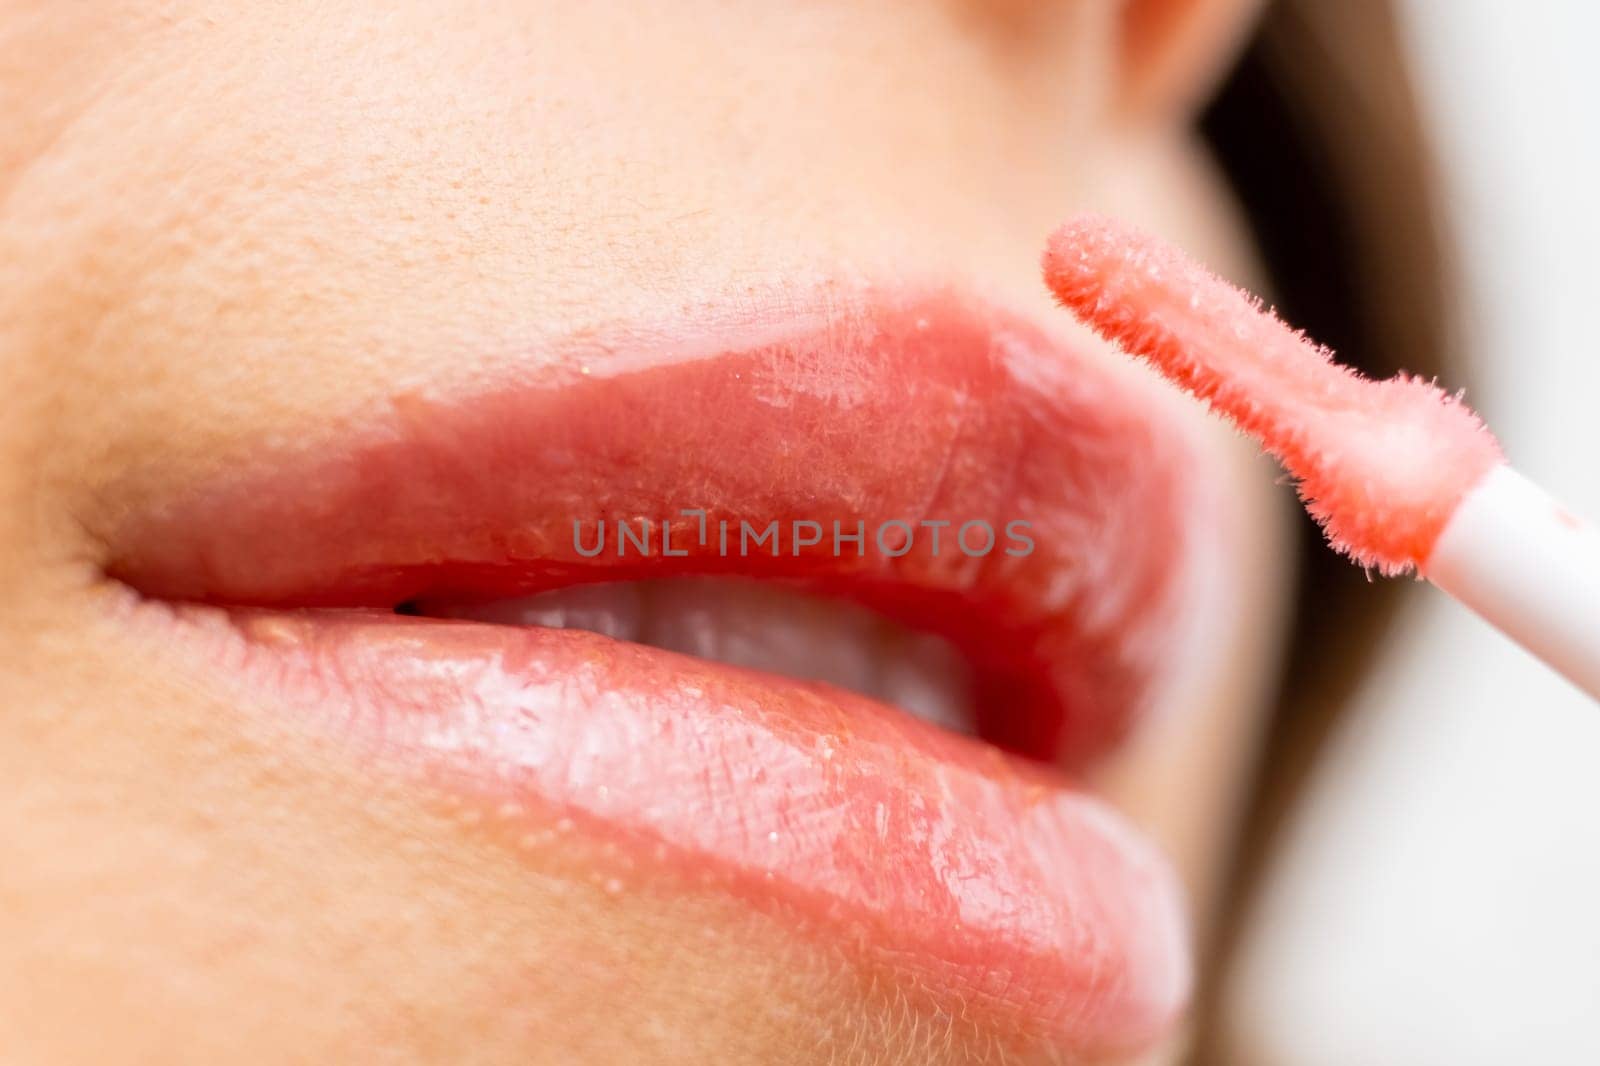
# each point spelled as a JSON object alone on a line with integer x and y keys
{"x": 984, "y": 880}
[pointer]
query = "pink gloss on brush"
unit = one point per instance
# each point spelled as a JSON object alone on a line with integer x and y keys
{"x": 1400, "y": 474}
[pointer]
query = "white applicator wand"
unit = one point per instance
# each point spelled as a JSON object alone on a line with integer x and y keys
{"x": 1400, "y": 475}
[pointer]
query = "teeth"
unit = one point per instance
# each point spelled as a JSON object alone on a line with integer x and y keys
{"x": 760, "y": 627}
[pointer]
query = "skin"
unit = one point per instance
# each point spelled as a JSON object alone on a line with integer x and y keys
{"x": 220, "y": 228}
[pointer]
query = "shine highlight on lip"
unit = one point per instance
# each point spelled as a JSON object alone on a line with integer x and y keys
{"x": 967, "y": 868}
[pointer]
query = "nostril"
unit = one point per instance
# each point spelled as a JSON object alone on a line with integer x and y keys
{"x": 1174, "y": 50}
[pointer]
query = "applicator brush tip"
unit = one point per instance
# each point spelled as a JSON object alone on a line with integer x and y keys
{"x": 1400, "y": 474}
{"x": 1380, "y": 464}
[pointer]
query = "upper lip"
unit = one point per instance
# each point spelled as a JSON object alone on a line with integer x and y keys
{"x": 928, "y": 407}
{"x": 864, "y": 407}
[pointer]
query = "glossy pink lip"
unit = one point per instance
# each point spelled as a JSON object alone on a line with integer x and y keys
{"x": 977, "y": 877}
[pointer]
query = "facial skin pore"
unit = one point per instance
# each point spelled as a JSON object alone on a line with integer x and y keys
{"x": 224, "y": 228}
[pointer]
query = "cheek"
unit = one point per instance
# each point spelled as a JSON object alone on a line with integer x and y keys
{"x": 1185, "y": 776}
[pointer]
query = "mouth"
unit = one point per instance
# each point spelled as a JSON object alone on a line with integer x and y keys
{"x": 823, "y": 605}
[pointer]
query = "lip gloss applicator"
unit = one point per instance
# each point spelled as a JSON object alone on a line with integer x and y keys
{"x": 1400, "y": 475}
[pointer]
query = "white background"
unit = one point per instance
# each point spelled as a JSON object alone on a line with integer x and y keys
{"x": 1439, "y": 902}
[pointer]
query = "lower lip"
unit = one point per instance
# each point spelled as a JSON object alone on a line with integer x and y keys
{"x": 978, "y": 879}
